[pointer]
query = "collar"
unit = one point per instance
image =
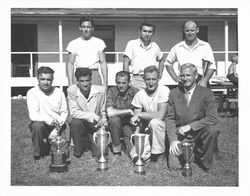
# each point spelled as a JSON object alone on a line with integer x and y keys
{"x": 93, "y": 91}
{"x": 142, "y": 44}
{"x": 191, "y": 91}
{"x": 129, "y": 92}
{"x": 199, "y": 43}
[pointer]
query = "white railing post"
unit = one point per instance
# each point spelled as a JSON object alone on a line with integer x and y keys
{"x": 226, "y": 45}
{"x": 31, "y": 64}
{"x": 60, "y": 40}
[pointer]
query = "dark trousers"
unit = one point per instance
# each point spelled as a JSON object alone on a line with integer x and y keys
{"x": 40, "y": 132}
{"x": 81, "y": 132}
{"x": 205, "y": 141}
{"x": 120, "y": 127}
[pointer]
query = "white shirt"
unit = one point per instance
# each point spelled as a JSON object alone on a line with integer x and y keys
{"x": 84, "y": 108}
{"x": 46, "y": 108}
{"x": 182, "y": 54}
{"x": 189, "y": 94}
{"x": 87, "y": 52}
{"x": 150, "y": 103}
{"x": 142, "y": 57}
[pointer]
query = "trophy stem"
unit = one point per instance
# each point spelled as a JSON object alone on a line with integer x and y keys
{"x": 139, "y": 167}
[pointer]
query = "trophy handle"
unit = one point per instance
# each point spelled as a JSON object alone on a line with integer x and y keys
{"x": 94, "y": 137}
{"x": 109, "y": 139}
{"x": 131, "y": 139}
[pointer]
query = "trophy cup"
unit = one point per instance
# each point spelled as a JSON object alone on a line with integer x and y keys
{"x": 205, "y": 66}
{"x": 59, "y": 153}
{"x": 187, "y": 149}
{"x": 139, "y": 140}
{"x": 102, "y": 138}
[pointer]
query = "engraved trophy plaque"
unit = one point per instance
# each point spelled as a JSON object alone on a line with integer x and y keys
{"x": 139, "y": 140}
{"x": 102, "y": 138}
{"x": 59, "y": 153}
{"x": 187, "y": 149}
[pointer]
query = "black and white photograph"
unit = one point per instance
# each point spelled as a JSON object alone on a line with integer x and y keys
{"x": 125, "y": 96}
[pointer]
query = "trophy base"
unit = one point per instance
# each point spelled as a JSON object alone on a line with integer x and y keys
{"x": 58, "y": 168}
{"x": 187, "y": 172}
{"x": 140, "y": 169}
{"x": 102, "y": 167}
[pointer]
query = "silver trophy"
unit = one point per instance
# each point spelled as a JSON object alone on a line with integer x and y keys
{"x": 205, "y": 66}
{"x": 102, "y": 138}
{"x": 187, "y": 149}
{"x": 138, "y": 140}
{"x": 59, "y": 153}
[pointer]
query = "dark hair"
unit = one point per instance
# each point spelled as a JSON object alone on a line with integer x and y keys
{"x": 45, "y": 70}
{"x": 123, "y": 74}
{"x": 151, "y": 69}
{"x": 148, "y": 25}
{"x": 86, "y": 18}
{"x": 82, "y": 71}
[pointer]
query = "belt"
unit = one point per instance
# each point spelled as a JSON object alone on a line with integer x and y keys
{"x": 94, "y": 69}
{"x": 138, "y": 74}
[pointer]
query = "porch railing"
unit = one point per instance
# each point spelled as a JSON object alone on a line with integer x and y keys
{"x": 116, "y": 57}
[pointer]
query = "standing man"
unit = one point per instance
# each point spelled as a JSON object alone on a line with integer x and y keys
{"x": 87, "y": 51}
{"x": 191, "y": 50}
{"x": 150, "y": 109}
{"x": 119, "y": 111}
{"x": 86, "y": 103}
{"x": 47, "y": 109}
{"x": 141, "y": 53}
{"x": 190, "y": 115}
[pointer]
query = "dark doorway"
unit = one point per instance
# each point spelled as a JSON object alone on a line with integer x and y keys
{"x": 23, "y": 39}
{"x": 107, "y": 34}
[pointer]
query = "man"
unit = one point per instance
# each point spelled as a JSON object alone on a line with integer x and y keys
{"x": 150, "y": 109}
{"x": 47, "y": 110}
{"x": 190, "y": 115}
{"x": 119, "y": 111}
{"x": 86, "y": 104}
{"x": 140, "y": 53}
{"x": 87, "y": 51}
{"x": 191, "y": 50}
{"x": 232, "y": 74}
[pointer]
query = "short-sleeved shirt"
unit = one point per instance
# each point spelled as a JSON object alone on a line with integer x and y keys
{"x": 87, "y": 52}
{"x": 114, "y": 99}
{"x": 142, "y": 57}
{"x": 182, "y": 54}
{"x": 150, "y": 103}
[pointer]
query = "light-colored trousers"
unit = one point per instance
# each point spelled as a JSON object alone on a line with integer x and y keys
{"x": 157, "y": 129}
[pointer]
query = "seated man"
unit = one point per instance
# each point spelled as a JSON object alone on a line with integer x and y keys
{"x": 232, "y": 71}
{"x": 119, "y": 111}
{"x": 86, "y": 103}
{"x": 190, "y": 115}
{"x": 150, "y": 109}
{"x": 47, "y": 109}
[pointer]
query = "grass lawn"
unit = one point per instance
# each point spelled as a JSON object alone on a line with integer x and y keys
{"x": 82, "y": 172}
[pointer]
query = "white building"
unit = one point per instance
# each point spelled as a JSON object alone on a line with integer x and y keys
{"x": 40, "y": 35}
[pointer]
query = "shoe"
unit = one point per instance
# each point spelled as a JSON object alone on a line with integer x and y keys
{"x": 77, "y": 156}
{"x": 36, "y": 158}
{"x": 116, "y": 156}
